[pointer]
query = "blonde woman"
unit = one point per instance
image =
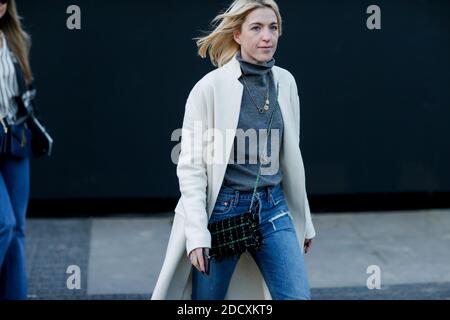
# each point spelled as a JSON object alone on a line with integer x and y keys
{"x": 15, "y": 81}
{"x": 245, "y": 93}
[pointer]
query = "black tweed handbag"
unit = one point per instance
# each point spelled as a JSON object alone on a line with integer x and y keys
{"x": 234, "y": 235}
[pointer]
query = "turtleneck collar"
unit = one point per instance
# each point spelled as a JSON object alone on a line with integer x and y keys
{"x": 254, "y": 69}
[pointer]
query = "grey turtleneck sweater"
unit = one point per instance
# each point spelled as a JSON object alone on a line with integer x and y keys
{"x": 242, "y": 168}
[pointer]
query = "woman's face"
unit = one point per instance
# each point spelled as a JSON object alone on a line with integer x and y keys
{"x": 258, "y": 36}
{"x": 3, "y": 8}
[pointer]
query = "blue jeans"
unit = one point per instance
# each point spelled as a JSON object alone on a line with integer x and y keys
{"x": 280, "y": 258}
{"x": 14, "y": 192}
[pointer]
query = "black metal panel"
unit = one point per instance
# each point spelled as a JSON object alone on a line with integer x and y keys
{"x": 375, "y": 105}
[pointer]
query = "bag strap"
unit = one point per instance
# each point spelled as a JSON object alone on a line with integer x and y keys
{"x": 268, "y": 135}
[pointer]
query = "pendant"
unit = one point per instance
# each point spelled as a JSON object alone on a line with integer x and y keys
{"x": 266, "y": 106}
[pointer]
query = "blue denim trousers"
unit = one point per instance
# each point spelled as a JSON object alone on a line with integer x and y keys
{"x": 14, "y": 192}
{"x": 280, "y": 258}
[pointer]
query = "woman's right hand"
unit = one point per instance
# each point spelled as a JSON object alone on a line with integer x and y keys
{"x": 196, "y": 257}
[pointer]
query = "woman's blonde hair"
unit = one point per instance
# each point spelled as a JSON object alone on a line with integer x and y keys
{"x": 18, "y": 40}
{"x": 220, "y": 42}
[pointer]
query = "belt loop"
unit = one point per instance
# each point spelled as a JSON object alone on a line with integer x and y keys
{"x": 269, "y": 195}
{"x": 259, "y": 209}
{"x": 236, "y": 198}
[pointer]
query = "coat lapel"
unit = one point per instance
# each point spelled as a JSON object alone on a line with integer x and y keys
{"x": 229, "y": 108}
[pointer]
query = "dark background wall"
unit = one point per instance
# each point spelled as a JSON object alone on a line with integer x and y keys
{"x": 375, "y": 105}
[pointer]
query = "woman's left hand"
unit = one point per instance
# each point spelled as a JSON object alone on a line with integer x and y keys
{"x": 307, "y": 245}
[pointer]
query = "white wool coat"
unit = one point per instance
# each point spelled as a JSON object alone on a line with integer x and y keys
{"x": 215, "y": 102}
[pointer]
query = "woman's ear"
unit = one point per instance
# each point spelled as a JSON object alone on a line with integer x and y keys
{"x": 237, "y": 36}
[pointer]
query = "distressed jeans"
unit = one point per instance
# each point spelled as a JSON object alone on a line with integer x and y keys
{"x": 280, "y": 259}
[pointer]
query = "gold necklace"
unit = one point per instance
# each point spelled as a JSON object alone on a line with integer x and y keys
{"x": 266, "y": 106}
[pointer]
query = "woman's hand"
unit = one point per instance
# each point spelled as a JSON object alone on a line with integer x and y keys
{"x": 196, "y": 257}
{"x": 307, "y": 245}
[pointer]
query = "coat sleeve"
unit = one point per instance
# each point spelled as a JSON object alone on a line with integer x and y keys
{"x": 310, "y": 231}
{"x": 191, "y": 172}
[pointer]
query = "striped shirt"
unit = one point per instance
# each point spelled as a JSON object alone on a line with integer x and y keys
{"x": 8, "y": 82}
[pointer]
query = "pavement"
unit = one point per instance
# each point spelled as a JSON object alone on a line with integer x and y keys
{"x": 119, "y": 257}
